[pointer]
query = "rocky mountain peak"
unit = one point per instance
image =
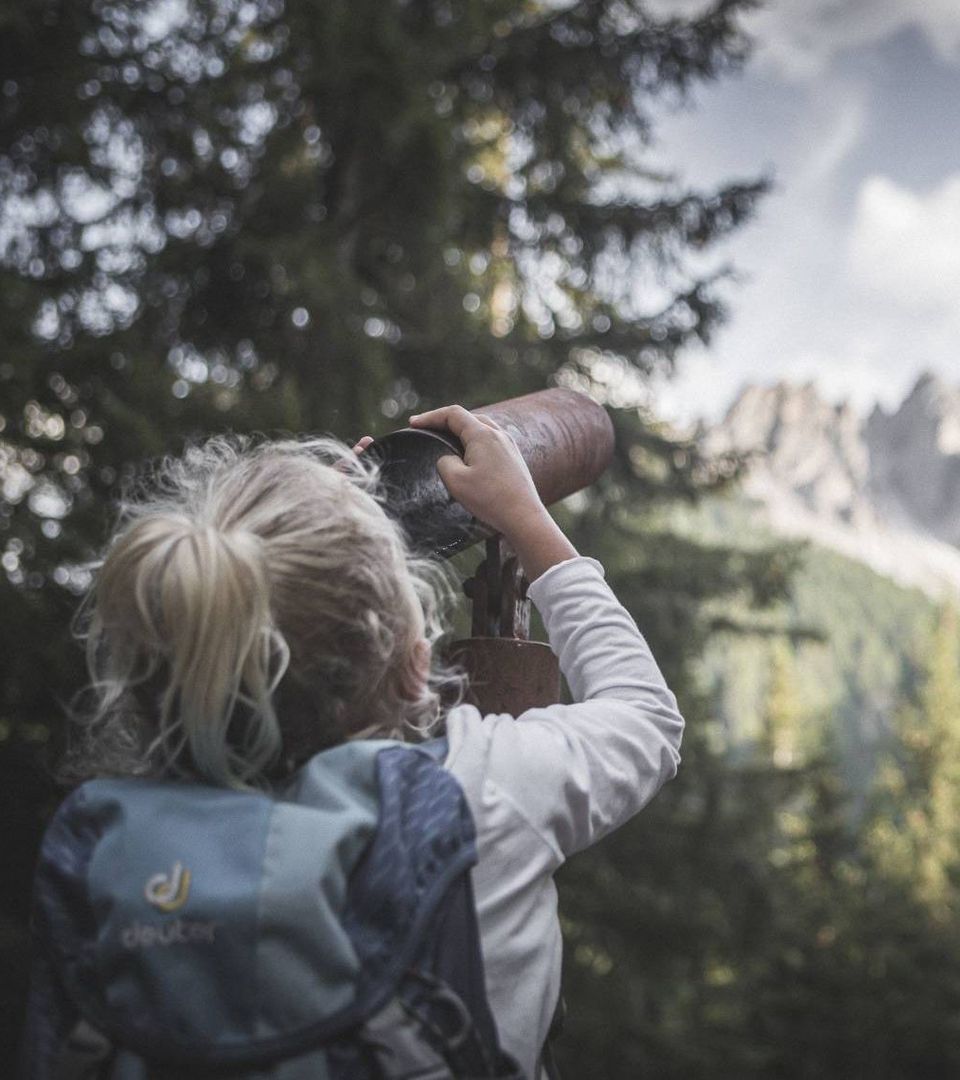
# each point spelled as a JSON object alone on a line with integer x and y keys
{"x": 761, "y": 414}
{"x": 885, "y": 488}
{"x": 797, "y": 438}
{"x": 929, "y": 415}
{"x": 915, "y": 459}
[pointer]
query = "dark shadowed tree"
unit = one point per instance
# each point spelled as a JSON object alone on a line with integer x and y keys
{"x": 258, "y": 215}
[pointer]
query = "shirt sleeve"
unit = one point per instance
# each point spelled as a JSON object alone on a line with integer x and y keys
{"x": 575, "y": 772}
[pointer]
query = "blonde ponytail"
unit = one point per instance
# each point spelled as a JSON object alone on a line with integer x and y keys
{"x": 239, "y": 571}
{"x": 195, "y": 598}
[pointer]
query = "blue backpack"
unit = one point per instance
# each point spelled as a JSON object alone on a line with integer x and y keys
{"x": 327, "y": 931}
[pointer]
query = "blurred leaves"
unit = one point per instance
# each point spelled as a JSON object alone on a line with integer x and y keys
{"x": 298, "y": 216}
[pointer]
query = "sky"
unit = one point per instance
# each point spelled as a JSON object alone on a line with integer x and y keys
{"x": 849, "y": 275}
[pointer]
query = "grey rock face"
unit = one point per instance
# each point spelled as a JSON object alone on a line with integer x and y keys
{"x": 802, "y": 443}
{"x": 915, "y": 459}
{"x": 885, "y": 490}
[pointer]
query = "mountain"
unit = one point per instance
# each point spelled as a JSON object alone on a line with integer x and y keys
{"x": 878, "y": 499}
{"x": 915, "y": 460}
{"x": 883, "y": 489}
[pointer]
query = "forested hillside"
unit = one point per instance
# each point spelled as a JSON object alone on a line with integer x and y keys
{"x": 787, "y": 906}
{"x": 846, "y": 649}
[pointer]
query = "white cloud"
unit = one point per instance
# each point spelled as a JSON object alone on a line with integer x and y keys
{"x": 905, "y": 247}
{"x": 859, "y": 295}
{"x": 801, "y": 37}
{"x": 859, "y": 306}
{"x": 835, "y": 130}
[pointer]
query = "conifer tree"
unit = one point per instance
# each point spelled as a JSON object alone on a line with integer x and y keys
{"x": 915, "y": 836}
{"x": 312, "y": 216}
{"x": 320, "y": 215}
{"x": 783, "y": 738}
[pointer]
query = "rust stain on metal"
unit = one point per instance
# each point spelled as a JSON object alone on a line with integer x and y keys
{"x": 565, "y": 438}
{"x": 508, "y": 675}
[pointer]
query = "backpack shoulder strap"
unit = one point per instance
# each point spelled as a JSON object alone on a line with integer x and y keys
{"x": 436, "y": 748}
{"x": 426, "y": 820}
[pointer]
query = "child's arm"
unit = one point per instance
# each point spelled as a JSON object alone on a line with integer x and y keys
{"x": 572, "y": 772}
{"x": 613, "y": 750}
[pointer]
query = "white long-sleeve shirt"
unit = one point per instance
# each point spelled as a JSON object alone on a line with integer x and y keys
{"x": 554, "y": 780}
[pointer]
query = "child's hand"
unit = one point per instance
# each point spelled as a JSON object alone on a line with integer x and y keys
{"x": 492, "y": 481}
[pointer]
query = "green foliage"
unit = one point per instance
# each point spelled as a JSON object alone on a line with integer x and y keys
{"x": 757, "y": 920}
{"x": 314, "y": 215}
{"x": 784, "y": 736}
{"x": 915, "y": 834}
{"x": 309, "y": 216}
{"x": 856, "y": 641}
{"x": 767, "y": 915}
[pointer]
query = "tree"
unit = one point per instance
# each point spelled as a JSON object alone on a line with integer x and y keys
{"x": 252, "y": 214}
{"x": 916, "y": 829}
{"x": 259, "y": 215}
{"x": 669, "y": 920}
{"x": 785, "y": 736}
{"x": 318, "y": 216}
{"x": 858, "y": 974}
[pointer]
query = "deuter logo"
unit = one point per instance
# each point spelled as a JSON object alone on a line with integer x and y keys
{"x": 168, "y": 891}
{"x": 178, "y": 932}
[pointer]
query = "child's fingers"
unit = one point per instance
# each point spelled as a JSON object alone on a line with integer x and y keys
{"x": 358, "y": 448}
{"x": 454, "y": 418}
{"x": 453, "y": 472}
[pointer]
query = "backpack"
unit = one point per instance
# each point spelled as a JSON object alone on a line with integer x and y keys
{"x": 326, "y": 931}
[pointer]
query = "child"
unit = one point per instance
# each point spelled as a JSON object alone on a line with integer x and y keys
{"x": 257, "y": 606}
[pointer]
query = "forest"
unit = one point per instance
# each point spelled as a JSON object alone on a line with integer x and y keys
{"x": 292, "y": 216}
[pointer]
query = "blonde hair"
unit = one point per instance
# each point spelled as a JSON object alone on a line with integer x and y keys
{"x": 256, "y": 603}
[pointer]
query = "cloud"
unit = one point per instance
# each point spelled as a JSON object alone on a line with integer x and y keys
{"x": 904, "y": 247}
{"x": 850, "y": 277}
{"x": 834, "y": 129}
{"x": 860, "y": 305}
{"x": 800, "y": 38}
